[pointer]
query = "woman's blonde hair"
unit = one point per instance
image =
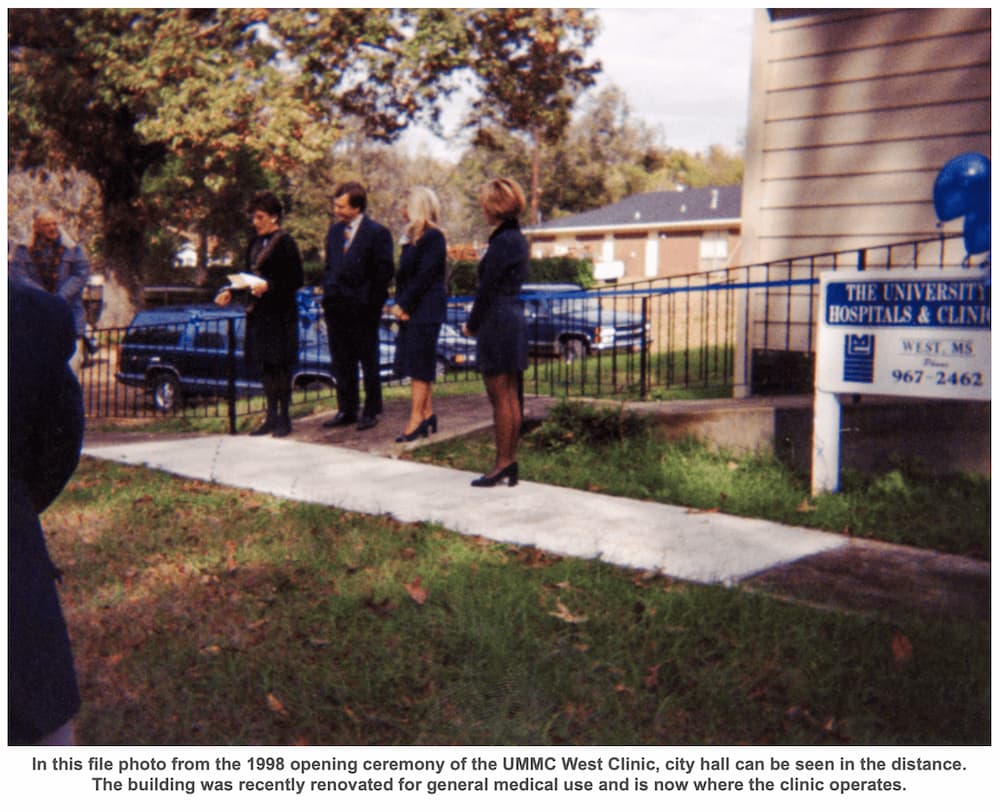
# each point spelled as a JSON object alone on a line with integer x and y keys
{"x": 502, "y": 198}
{"x": 424, "y": 211}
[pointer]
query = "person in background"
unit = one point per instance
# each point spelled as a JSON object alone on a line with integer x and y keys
{"x": 272, "y": 332}
{"x": 45, "y": 434}
{"x": 421, "y": 302}
{"x": 359, "y": 269}
{"x": 497, "y": 322}
{"x": 54, "y": 263}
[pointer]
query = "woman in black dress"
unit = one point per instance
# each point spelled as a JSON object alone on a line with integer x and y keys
{"x": 497, "y": 321}
{"x": 272, "y": 333}
{"x": 421, "y": 301}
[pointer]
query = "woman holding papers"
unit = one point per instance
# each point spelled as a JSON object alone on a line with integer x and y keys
{"x": 272, "y": 334}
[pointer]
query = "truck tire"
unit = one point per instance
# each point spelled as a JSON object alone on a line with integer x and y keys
{"x": 166, "y": 391}
{"x": 572, "y": 349}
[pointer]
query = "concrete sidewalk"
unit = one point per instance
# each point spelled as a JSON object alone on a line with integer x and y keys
{"x": 674, "y": 541}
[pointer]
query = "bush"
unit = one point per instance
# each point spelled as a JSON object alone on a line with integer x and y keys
{"x": 562, "y": 269}
{"x": 313, "y": 270}
{"x": 571, "y": 422}
{"x": 462, "y": 276}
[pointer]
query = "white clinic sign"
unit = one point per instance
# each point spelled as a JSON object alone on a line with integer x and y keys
{"x": 901, "y": 333}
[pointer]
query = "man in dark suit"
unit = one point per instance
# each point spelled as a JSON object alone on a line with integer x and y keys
{"x": 359, "y": 268}
{"x": 45, "y": 432}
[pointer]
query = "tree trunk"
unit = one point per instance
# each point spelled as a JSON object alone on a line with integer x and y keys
{"x": 535, "y": 177}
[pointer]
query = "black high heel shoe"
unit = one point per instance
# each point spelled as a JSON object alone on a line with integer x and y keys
{"x": 432, "y": 423}
{"x": 419, "y": 431}
{"x": 509, "y": 473}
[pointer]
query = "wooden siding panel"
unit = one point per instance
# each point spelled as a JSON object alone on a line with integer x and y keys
{"x": 899, "y": 187}
{"x": 849, "y": 161}
{"x": 874, "y": 220}
{"x": 930, "y": 121}
{"x": 957, "y": 51}
{"x": 832, "y": 33}
{"x": 876, "y": 95}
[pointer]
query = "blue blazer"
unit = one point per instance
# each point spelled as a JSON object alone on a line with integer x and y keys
{"x": 420, "y": 283}
{"x": 45, "y": 434}
{"x": 502, "y": 271}
{"x": 363, "y": 273}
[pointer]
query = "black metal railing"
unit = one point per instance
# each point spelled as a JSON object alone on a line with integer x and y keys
{"x": 707, "y": 334}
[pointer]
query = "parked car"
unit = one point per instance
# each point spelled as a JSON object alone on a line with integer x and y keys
{"x": 566, "y": 321}
{"x": 183, "y": 350}
{"x": 454, "y": 350}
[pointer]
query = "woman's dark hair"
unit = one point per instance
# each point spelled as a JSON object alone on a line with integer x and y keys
{"x": 266, "y": 202}
{"x": 356, "y": 194}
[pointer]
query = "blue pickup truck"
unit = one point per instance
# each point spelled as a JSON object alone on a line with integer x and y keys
{"x": 566, "y": 321}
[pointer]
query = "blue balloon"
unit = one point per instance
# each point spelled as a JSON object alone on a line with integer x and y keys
{"x": 962, "y": 185}
{"x": 976, "y": 230}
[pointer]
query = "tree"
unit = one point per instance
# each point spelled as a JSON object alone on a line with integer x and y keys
{"x": 530, "y": 67}
{"x": 121, "y": 93}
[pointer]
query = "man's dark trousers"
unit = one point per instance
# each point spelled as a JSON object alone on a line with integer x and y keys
{"x": 352, "y": 328}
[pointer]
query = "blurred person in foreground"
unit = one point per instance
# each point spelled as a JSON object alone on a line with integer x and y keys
{"x": 45, "y": 433}
{"x": 421, "y": 302}
{"x": 497, "y": 322}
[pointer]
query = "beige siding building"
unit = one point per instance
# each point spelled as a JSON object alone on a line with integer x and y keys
{"x": 852, "y": 115}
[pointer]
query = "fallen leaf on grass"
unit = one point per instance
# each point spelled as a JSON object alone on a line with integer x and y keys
{"x": 415, "y": 591}
{"x": 275, "y": 706}
{"x": 231, "y": 565}
{"x": 564, "y": 614}
{"x": 902, "y": 649}
{"x": 652, "y": 678}
{"x": 805, "y": 507}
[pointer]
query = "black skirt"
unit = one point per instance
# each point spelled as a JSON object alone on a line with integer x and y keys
{"x": 502, "y": 340}
{"x": 416, "y": 351}
{"x": 272, "y": 339}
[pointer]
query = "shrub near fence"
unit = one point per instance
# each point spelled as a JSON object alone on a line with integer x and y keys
{"x": 462, "y": 273}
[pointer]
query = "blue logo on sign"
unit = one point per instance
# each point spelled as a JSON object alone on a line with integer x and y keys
{"x": 859, "y": 358}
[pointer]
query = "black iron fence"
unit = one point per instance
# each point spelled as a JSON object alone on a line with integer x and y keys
{"x": 740, "y": 330}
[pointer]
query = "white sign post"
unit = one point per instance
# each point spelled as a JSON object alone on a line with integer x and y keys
{"x": 901, "y": 333}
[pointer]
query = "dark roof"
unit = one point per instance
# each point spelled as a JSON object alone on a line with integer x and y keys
{"x": 656, "y": 208}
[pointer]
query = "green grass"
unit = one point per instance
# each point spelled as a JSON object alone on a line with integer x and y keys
{"x": 609, "y": 451}
{"x": 206, "y": 615}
